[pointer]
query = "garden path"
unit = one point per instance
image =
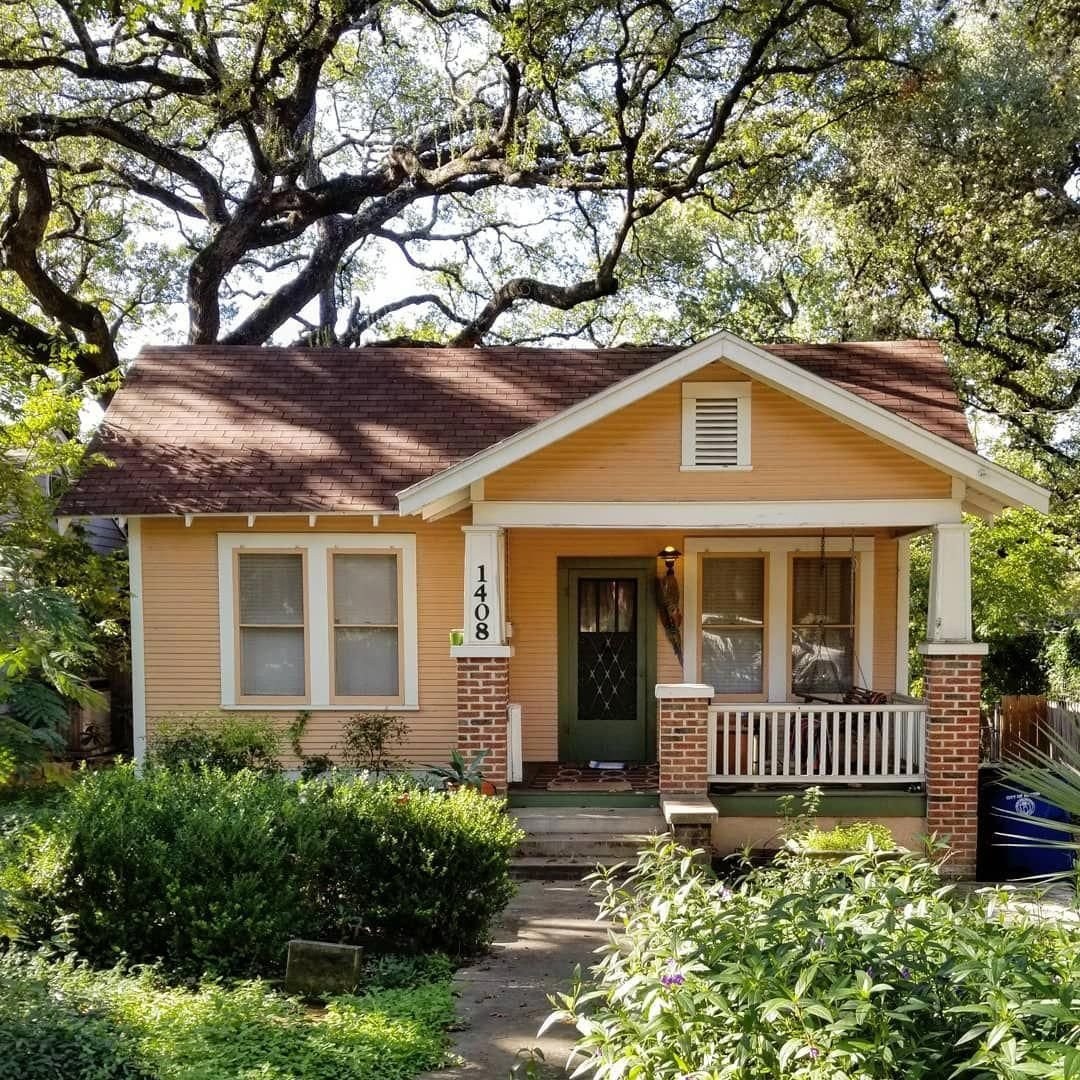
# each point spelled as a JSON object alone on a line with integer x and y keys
{"x": 548, "y": 927}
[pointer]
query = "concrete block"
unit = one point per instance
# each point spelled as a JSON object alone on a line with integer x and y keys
{"x": 322, "y": 967}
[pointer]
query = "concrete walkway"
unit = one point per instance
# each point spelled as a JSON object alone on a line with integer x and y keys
{"x": 548, "y": 928}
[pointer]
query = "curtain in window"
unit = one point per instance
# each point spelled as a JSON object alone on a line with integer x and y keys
{"x": 733, "y": 624}
{"x": 822, "y": 626}
{"x": 271, "y": 620}
{"x": 366, "y": 628}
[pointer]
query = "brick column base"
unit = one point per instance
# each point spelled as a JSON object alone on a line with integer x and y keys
{"x": 682, "y": 737}
{"x": 483, "y": 695}
{"x": 953, "y": 686}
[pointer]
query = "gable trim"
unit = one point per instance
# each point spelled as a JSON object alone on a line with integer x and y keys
{"x": 783, "y": 375}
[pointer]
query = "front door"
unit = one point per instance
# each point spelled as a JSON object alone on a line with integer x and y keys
{"x": 606, "y": 660}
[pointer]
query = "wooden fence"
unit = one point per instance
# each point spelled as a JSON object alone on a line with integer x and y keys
{"x": 1022, "y": 720}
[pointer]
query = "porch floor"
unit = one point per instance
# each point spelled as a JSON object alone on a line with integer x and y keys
{"x": 566, "y": 777}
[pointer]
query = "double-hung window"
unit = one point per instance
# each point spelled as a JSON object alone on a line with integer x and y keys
{"x": 366, "y": 650}
{"x": 822, "y": 625}
{"x": 271, "y": 626}
{"x": 733, "y": 624}
{"x": 327, "y": 620}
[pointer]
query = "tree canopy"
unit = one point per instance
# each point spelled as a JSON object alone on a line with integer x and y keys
{"x": 273, "y": 165}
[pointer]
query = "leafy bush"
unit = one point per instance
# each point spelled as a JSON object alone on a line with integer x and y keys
{"x": 216, "y": 740}
{"x": 207, "y": 871}
{"x": 369, "y": 739}
{"x": 65, "y": 1020}
{"x": 865, "y": 969}
{"x": 853, "y": 837}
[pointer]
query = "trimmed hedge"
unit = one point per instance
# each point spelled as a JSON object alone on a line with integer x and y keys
{"x": 206, "y": 871}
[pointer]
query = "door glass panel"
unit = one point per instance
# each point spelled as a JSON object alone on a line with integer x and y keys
{"x": 624, "y": 607}
{"x": 605, "y": 614}
{"x": 587, "y": 607}
{"x": 607, "y": 650}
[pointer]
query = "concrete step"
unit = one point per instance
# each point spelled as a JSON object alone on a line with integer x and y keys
{"x": 541, "y": 821}
{"x": 585, "y": 846}
{"x": 541, "y": 868}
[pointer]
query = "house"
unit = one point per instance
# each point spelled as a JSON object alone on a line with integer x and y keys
{"x": 690, "y": 565}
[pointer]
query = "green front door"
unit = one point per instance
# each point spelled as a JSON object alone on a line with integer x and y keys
{"x": 607, "y": 655}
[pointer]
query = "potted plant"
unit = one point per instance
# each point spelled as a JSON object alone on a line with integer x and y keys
{"x": 461, "y": 773}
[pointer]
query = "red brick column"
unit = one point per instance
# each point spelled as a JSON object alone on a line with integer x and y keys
{"x": 483, "y": 695}
{"x": 953, "y": 685}
{"x": 682, "y": 737}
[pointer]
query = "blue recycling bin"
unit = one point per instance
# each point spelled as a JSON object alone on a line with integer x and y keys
{"x": 1029, "y": 858}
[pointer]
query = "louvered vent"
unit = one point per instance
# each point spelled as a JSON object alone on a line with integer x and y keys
{"x": 716, "y": 431}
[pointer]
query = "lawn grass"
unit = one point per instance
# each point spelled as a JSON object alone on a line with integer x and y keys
{"x": 58, "y": 1017}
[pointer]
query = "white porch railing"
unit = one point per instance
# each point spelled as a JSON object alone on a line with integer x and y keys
{"x": 795, "y": 743}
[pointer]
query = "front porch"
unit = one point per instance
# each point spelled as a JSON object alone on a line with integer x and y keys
{"x": 587, "y": 662}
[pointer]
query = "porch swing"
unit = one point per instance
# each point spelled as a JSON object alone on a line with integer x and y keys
{"x": 821, "y": 657}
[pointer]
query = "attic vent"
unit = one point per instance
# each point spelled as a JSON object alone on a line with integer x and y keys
{"x": 716, "y": 425}
{"x": 716, "y": 431}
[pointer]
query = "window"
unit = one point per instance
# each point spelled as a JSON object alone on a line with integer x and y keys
{"x": 716, "y": 425}
{"x": 271, "y": 626}
{"x": 822, "y": 625}
{"x": 322, "y": 619}
{"x": 366, "y": 650}
{"x": 733, "y": 624}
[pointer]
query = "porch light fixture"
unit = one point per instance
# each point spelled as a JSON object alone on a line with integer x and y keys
{"x": 669, "y": 554}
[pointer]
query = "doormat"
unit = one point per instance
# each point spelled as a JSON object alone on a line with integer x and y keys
{"x": 614, "y": 784}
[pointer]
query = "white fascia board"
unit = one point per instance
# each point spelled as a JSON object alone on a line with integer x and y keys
{"x": 783, "y": 375}
{"x": 845, "y": 514}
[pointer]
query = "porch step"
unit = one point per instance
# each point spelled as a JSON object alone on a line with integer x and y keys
{"x": 544, "y": 821}
{"x": 585, "y": 846}
{"x": 534, "y": 867}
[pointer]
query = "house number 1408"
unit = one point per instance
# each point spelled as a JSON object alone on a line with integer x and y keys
{"x": 481, "y": 612}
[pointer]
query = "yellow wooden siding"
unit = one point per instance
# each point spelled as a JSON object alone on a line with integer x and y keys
{"x": 797, "y": 452}
{"x": 180, "y": 610}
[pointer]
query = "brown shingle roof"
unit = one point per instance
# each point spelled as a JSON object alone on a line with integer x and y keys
{"x": 237, "y": 429}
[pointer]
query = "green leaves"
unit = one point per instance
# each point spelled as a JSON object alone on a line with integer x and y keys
{"x": 865, "y": 969}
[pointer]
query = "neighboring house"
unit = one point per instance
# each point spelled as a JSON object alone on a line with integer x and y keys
{"x": 309, "y": 527}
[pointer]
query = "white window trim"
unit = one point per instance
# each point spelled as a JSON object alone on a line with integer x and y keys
{"x": 691, "y": 392}
{"x": 319, "y": 631}
{"x": 777, "y": 627}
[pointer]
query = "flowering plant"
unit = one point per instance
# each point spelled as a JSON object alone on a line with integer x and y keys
{"x": 867, "y": 969}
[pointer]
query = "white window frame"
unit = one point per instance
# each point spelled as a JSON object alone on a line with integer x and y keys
{"x": 317, "y": 586}
{"x": 777, "y": 586}
{"x": 691, "y": 393}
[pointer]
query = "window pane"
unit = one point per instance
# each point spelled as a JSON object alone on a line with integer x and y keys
{"x": 732, "y": 592}
{"x": 271, "y": 589}
{"x": 365, "y": 590}
{"x": 731, "y": 660}
{"x": 821, "y": 660}
{"x": 272, "y": 661}
{"x": 605, "y": 618}
{"x": 822, "y": 592}
{"x": 587, "y": 606}
{"x": 627, "y": 591}
{"x": 366, "y": 663}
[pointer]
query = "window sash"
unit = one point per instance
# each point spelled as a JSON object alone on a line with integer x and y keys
{"x": 832, "y": 639}
{"x": 265, "y": 686}
{"x": 383, "y": 689}
{"x": 728, "y": 639}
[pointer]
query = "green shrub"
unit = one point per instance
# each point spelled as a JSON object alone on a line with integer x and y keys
{"x": 867, "y": 969}
{"x": 216, "y": 740}
{"x": 413, "y": 868}
{"x": 206, "y": 871}
{"x": 853, "y": 837}
{"x": 64, "y": 1020}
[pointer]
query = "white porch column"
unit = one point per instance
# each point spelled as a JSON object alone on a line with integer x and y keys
{"x": 485, "y": 585}
{"x": 949, "y": 610}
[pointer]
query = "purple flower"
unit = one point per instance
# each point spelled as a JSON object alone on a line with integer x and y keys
{"x": 905, "y": 973}
{"x": 672, "y": 977}
{"x": 815, "y": 1052}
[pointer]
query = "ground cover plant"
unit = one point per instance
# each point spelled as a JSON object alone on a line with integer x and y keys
{"x": 199, "y": 870}
{"x": 867, "y": 968}
{"x": 60, "y": 1018}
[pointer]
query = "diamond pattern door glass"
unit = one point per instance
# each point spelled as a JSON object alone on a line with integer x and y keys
{"x": 607, "y": 649}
